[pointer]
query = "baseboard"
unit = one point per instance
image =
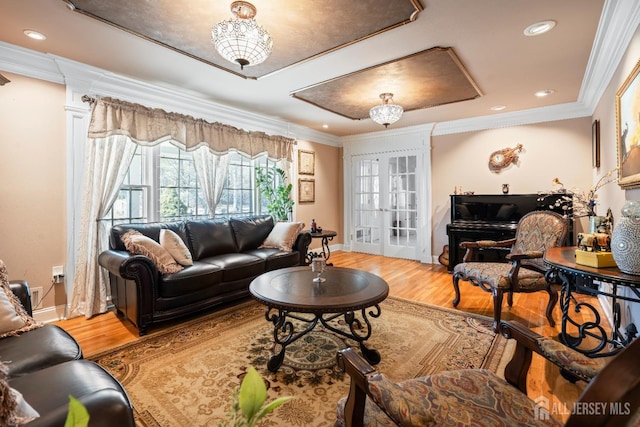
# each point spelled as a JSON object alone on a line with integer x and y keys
{"x": 50, "y": 314}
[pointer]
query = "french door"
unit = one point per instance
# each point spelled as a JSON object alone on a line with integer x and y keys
{"x": 385, "y": 204}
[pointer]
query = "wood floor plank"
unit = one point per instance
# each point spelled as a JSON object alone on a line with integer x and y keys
{"x": 407, "y": 279}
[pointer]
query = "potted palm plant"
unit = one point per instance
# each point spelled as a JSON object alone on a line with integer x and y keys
{"x": 273, "y": 186}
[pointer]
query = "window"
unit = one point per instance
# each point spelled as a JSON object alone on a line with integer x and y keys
{"x": 162, "y": 185}
{"x": 180, "y": 193}
{"x": 238, "y": 195}
{"x": 131, "y": 204}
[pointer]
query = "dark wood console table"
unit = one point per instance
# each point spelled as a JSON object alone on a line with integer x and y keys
{"x": 580, "y": 278}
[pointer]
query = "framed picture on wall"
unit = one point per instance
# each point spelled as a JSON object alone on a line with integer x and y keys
{"x": 595, "y": 143}
{"x": 628, "y": 130}
{"x": 306, "y": 162}
{"x": 306, "y": 190}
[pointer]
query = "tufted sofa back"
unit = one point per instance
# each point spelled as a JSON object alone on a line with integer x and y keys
{"x": 204, "y": 238}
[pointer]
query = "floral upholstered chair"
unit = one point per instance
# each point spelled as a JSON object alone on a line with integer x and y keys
{"x": 481, "y": 398}
{"x": 524, "y": 271}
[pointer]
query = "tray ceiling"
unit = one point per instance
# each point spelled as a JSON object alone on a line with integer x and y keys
{"x": 425, "y": 79}
{"x": 301, "y": 30}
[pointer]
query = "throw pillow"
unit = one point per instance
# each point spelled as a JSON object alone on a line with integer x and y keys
{"x": 283, "y": 235}
{"x": 13, "y": 317}
{"x": 176, "y": 247}
{"x": 14, "y": 410}
{"x": 139, "y": 244}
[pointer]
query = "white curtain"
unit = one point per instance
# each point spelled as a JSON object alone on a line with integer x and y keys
{"x": 211, "y": 170}
{"x": 106, "y": 163}
{"x": 115, "y": 130}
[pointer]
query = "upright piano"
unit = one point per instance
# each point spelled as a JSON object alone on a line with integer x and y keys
{"x": 492, "y": 217}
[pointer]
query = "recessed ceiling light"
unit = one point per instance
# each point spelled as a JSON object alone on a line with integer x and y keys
{"x": 543, "y": 93}
{"x": 539, "y": 28}
{"x": 325, "y": 126}
{"x": 498, "y": 107}
{"x": 34, "y": 35}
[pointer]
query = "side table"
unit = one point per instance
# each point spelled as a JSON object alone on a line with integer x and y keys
{"x": 326, "y": 236}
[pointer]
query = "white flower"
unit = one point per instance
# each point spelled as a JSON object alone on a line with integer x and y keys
{"x": 577, "y": 202}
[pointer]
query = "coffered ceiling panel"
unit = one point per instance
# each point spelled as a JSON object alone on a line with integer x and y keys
{"x": 301, "y": 30}
{"x": 422, "y": 80}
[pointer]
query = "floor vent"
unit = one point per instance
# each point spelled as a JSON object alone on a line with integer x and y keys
{"x": 36, "y": 294}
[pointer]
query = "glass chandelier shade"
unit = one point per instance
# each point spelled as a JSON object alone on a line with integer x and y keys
{"x": 241, "y": 40}
{"x": 387, "y": 112}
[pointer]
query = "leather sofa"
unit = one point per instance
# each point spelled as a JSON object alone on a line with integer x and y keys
{"x": 46, "y": 365}
{"x": 226, "y": 257}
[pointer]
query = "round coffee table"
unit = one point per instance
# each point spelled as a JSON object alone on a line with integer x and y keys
{"x": 291, "y": 293}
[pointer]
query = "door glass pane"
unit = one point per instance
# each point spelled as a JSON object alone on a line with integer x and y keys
{"x": 402, "y": 230}
{"x": 367, "y": 202}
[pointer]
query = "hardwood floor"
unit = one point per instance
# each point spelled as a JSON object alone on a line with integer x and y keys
{"x": 407, "y": 279}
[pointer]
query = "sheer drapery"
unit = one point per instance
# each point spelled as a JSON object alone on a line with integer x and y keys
{"x": 115, "y": 130}
{"x": 152, "y": 125}
{"x": 211, "y": 170}
{"x": 107, "y": 161}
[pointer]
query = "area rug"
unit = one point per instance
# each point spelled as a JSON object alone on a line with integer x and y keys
{"x": 185, "y": 376}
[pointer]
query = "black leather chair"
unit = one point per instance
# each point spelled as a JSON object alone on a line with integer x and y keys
{"x": 46, "y": 365}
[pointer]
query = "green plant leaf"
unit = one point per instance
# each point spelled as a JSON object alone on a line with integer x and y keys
{"x": 253, "y": 393}
{"x": 77, "y": 415}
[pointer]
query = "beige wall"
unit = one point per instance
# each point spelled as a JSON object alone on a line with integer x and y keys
{"x": 32, "y": 177}
{"x": 327, "y": 208}
{"x": 556, "y": 149}
{"x": 612, "y": 195}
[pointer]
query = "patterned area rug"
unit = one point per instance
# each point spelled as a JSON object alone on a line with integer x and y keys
{"x": 185, "y": 376}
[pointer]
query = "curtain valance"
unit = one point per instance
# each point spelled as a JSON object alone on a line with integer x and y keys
{"x": 149, "y": 126}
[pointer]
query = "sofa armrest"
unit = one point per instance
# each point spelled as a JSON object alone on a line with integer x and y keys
{"x": 126, "y": 265}
{"x": 142, "y": 294}
{"x": 21, "y": 289}
{"x": 301, "y": 245}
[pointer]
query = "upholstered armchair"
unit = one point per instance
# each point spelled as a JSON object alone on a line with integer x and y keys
{"x": 481, "y": 398}
{"x": 524, "y": 270}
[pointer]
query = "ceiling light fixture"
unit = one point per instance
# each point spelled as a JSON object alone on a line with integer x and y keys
{"x": 498, "y": 107}
{"x": 543, "y": 93}
{"x": 387, "y": 112}
{"x": 241, "y": 39}
{"x": 34, "y": 35}
{"x": 539, "y": 28}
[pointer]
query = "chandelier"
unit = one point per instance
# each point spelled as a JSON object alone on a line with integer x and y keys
{"x": 241, "y": 39}
{"x": 387, "y": 112}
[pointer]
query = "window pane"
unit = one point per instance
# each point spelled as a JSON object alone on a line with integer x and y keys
{"x": 168, "y": 172}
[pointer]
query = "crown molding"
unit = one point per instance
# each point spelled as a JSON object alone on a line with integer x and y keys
{"x": 551, "y": 113}
{"x": 617, "y": 26}
{"x": 99, "y": 82}
{"x": 17, "y": 60}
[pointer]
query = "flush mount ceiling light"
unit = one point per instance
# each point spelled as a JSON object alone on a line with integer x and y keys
{"x": 387, "y": 112}
{"x": 34, "y": 35}
{"x": 543, "y": 93}
{"x": 539, "y": 28}
{"x": 241, "y": 39}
